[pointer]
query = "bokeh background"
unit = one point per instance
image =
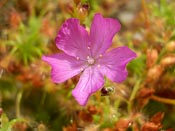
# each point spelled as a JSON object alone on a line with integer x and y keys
{"x": 29, "y": 101}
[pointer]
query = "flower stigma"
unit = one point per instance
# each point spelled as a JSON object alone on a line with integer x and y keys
{"x": 77, "y": 58}
{"x": 90, "y": 60}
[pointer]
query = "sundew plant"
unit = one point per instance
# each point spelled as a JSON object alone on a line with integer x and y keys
{"x": 87, "y": 65}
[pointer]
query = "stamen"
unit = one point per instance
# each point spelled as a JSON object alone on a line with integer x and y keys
{"x": 81, "y": 69}
{"x": 89, "y": 48}
{"x": 100, "y": 55}
{"x": 98, "y": 66}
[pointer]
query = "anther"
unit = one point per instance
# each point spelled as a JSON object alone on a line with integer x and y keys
{"x": 98, "y": 66}
{"x": 89, "y": 48}
{"x": 81, "y": 69}
{"x": 100, "y": 55}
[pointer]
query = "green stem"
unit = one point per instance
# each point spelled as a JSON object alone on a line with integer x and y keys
{"x": 18, "y": 102}
{"x": 133, "y": 94}
{"x": 43, "y": 98}
{"x": 0, "y": 99}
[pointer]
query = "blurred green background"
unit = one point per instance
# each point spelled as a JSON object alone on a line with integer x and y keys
{"x": 29, "y": 101}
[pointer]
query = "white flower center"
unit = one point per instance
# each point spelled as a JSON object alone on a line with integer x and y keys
{"x": 90, "y": 60}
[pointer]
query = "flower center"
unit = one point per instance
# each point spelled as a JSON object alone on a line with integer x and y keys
{"x": 90, "y": 60}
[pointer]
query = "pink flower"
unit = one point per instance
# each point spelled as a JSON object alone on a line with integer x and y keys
{"x": 86, "y": 53}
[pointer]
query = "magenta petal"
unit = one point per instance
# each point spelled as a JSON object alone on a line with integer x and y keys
{"x": 113, "y": 63}
{"x": 102, "y": 32}
{"x": 73, "y": 39}
{"x": 63, "y": 66}
{"x": 90, "y": 81}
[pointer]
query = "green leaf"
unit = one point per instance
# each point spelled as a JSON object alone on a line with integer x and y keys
{"x": 6, "y": 124}
{"x": 137, "y": 65}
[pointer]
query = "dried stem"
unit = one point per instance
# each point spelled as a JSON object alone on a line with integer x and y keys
{"x": 163, "y": 100}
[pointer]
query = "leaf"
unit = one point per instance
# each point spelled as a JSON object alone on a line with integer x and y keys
{"x": 6, "y": 124}
{"x": 137, "y": 65}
